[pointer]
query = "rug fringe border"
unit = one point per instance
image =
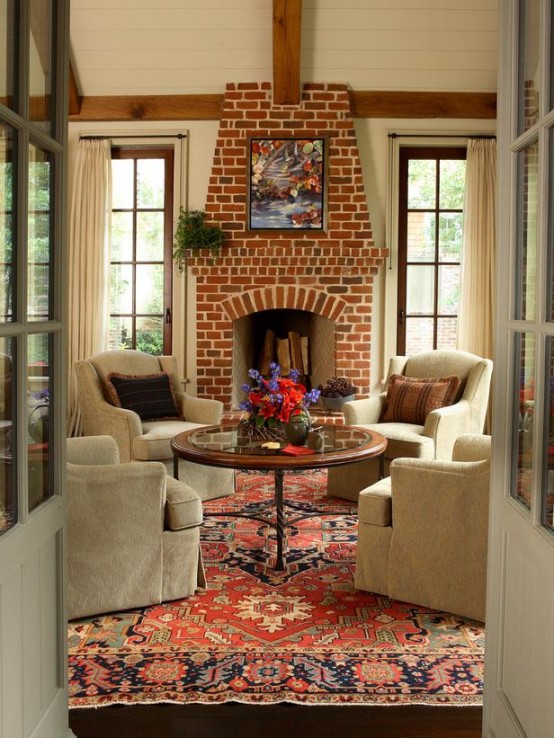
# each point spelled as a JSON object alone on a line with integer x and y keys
{"x": 477, "y": 702}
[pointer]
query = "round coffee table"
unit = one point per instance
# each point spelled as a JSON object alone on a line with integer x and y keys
{"x": 225, "y": 446}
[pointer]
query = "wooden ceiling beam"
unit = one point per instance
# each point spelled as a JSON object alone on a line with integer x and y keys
{"x": 149, "y": 107}
{"x": 365, "y": 104}
{"x": 403, "y": 104}
{"x": 287, "y": 21}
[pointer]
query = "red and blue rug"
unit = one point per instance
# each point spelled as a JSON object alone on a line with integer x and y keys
{"x": 254, "y": 635}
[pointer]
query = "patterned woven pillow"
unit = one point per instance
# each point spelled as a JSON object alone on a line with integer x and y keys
{"x": 411, "y": 399}
{"x": 151, "y": 396}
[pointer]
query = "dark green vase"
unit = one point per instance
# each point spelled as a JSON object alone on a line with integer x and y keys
{"x": 296, "y": 430}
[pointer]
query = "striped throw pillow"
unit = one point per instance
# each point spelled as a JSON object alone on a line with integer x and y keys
{"x": 411, "y": 399}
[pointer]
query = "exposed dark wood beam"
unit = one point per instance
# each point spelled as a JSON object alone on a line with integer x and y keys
{"x": 150, "y": 107}
{"x": 75, "y": 99}
{"x": 287, "y": 19}
{"x": 365, "y": 104}
{"x": 423, "y": 104}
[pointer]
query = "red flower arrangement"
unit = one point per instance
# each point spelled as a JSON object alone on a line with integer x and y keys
{"x": 274, "y": 399}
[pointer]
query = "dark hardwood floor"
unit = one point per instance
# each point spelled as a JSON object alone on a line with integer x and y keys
{"x": 235, "y": 720}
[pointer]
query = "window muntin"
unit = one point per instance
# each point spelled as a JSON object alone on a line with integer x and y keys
{"x": 432, "y": 187}
{"x": 141, "y": 249}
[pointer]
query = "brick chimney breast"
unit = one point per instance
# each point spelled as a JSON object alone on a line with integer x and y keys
{"x": 329, "y": 273}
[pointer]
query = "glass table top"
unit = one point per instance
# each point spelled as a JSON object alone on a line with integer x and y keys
{"x": 231, "y": 439}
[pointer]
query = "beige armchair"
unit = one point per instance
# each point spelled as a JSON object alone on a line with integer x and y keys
{"x": 435, "y": 438}
{"x": 422, "y": 535}
{"x": 148, "y": 440}
{"x": 133, "y": 531}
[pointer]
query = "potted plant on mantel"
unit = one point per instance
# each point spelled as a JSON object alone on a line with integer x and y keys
{"x": 335, "y": 392}
{"x": 192, "y": 233}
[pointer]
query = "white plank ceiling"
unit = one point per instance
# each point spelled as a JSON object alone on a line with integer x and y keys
{"x": 141, "y": 47}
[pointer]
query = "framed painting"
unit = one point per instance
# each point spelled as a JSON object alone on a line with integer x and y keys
{"x": 287, "y": 184}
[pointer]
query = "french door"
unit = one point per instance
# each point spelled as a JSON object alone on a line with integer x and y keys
{"x": 33, "y": 121}
{"x": 519, "y": 674}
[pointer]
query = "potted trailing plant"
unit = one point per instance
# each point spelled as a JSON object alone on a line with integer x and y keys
{"x": 335, "y": 392}
{"x": 192, "y": 232}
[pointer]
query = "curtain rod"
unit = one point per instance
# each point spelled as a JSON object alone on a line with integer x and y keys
{"x": 440, "y": 135}
{"x": 167, "y": 135}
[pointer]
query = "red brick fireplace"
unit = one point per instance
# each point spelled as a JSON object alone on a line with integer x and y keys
{"x": 320, "y": 281}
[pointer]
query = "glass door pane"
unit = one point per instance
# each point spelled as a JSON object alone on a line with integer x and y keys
{"x": 530, "y": 69}
{"x": 8, "y": 487}
{"x": 547, "y": 511}
{"x": 39, "y": 235}
{"x": 38, "y": 417}
{"x": 7, "y": 42}
{"x": 7, "y": 289}
{"x": 40, "y": 62}
{"x": 523, "y": 420}
{"x": 527, "y": 217}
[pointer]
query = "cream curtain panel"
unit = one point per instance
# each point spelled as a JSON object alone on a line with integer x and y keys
{"x": 476, "y": 313}
{"x": 88, "y": 260}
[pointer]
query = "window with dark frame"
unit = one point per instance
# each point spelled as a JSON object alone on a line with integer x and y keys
{"x": 430, "y": 231}
{"x": 141, "y": 264}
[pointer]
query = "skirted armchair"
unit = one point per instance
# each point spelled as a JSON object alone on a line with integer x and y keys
{"x": 133, "y": 531}
{"x": 142, "y": 439}
{"x": 434, "y": 434}
{"x": 422, "y": 535}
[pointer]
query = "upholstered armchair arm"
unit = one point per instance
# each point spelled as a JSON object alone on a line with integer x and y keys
{"x": 101, "y": 418}
{"x": 202, "y": 410}
{"x": 444, "y": 425}
{"x": 472, "y": 447}
{"x": 363, "y": 412}
{"x": 423, "y": 489}
{"x": 92, "y": 450}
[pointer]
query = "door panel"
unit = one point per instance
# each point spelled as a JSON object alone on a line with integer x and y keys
{"x": 519, "y": 667}
{"x": 33, "y": 690}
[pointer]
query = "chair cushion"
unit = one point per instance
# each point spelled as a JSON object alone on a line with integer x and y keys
{"x": 183, "y": 507}
{"x": 411, "y": 399}
{"x": 150, "y": 396}
{"x": 404, "y": 439}
{"x": 153, "y": 444}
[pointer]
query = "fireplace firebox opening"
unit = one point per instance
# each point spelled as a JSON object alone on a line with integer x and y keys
{"x": 297, "y": 339}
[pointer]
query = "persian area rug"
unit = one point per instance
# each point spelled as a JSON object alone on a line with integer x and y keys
{"x": 304, "y": 635}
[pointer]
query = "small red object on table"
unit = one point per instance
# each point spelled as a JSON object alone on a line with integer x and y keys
{"x": 296, "y": 450}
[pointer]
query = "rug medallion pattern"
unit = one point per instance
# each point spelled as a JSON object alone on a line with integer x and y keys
{"x": 254, "y": 635}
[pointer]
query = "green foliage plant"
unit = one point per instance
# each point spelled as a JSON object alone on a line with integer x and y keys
{"x": 193, "y": 233}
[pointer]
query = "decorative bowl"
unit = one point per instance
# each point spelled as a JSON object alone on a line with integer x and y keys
{"x": 334, "y": 404}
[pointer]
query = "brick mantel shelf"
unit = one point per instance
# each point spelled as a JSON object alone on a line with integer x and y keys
{"x": 328, "y": 273}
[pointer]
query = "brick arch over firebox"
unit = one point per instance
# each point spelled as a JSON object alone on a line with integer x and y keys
{"x": 284, "y": 297}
